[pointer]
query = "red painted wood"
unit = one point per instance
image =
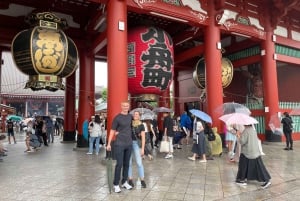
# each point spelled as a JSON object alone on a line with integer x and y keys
{"x": 116, "y": 59}
{"x": 287, "y": 42}
{"x": 182, "y": 12}
{"x": 70, "y": 99}
{"x": 99, "y": 43}
{"x": 188, "y": 54}
{"x": 269, "y": 75}
{"x": 86, "y": 104}
{"x": 214, "y": 90}
{"x": 288, "y": 59}
{"x": 246, "y": 61}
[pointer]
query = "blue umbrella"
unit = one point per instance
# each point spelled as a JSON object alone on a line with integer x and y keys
{"x": 201, "y": 115}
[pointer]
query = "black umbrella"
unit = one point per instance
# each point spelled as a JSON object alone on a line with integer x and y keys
{"x": 109, "y": 170}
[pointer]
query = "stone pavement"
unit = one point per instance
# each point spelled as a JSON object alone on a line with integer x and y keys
{"x": 58, "y": 173}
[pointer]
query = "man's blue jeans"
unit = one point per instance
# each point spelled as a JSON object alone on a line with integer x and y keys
{"x": 137, "y": 155}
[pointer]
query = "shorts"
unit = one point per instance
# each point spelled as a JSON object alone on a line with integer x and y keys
{"x": 10, "y": 133}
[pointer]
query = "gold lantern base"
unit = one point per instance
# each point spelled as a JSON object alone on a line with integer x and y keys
{"x": 48, "y": 82}
{"x": 147, "y": 98}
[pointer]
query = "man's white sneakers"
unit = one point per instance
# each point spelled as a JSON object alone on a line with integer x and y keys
{"x": 126, "y": 185}
{"x": 117, "y": 189}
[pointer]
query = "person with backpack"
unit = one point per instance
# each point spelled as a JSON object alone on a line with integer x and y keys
{"x": 287, "y": 123}
{"x": 95, "y": 130}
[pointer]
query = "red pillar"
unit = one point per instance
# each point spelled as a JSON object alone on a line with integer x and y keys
{"x": 269, "y": 76}
{"x": 2, "y": 112}
{"x": 177, "y": 110}
{"x": 86, "y": 104}
{"x": 212, "y": 55}
{"x": 69, "y": 114}
{"x": 116, "y": 58}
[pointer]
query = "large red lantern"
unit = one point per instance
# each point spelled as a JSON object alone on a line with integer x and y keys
{"x": 150, "y": 61}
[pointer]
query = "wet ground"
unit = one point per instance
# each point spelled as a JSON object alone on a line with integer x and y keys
{"x": 58, "y": 172}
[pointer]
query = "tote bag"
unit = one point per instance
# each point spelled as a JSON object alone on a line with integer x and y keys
{"x": 164, "y": 146}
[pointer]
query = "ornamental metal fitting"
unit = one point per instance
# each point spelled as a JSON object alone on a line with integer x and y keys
{"x": 46, "y": 20}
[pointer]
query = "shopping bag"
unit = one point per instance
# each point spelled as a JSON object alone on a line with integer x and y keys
{"x": 164, "y": 146}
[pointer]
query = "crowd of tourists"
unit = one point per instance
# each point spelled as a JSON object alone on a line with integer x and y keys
{"x": 131, "y": 136}
{"x": 134, "y": 137}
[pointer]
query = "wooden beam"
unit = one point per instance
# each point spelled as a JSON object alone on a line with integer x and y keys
{"x": 246, "y": 61}
{"x": 188, "y": 54}
{"x": 96, "y": 21}
{"x": 238, "y": 46}
{"x": 287, "y": 42}
{"x": 288, "y": 59}
{"x": 99, "y": 43}
{"x": 98, "y": 1}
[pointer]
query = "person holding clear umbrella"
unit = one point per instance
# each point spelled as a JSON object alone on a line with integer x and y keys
{"x": 251, "y": 166}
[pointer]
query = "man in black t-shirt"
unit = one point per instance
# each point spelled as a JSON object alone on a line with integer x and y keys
{"x": 121, "y": 128}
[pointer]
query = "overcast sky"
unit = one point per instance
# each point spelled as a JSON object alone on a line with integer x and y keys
{"x": 101, "y": 74}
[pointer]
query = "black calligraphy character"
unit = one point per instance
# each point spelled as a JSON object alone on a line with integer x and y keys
{"x": 156, "y": 77}
{"x": 158, "y": 55}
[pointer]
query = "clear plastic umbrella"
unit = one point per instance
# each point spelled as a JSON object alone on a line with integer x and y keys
{"x": 142, "y": 111}
{"x": 232, "y": 107}
{"x": 162, "y": 109}
{"x": 275, "y": 125}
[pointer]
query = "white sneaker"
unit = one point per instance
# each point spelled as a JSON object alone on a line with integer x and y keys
{"x": 89, "y": 153}
{"x": 266, "y": 185}
{"x": 97, "y": 153}
{"x": 169, "y": 156}
{"x": 117, "y": 189}
{"x": 126, "y": 185}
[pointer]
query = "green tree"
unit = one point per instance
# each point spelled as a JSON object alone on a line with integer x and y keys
{"x": 104, "y": 94}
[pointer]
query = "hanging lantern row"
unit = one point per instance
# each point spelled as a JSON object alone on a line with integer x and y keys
{"x": 150, "y": 62}
{"x": 44, "y": 52}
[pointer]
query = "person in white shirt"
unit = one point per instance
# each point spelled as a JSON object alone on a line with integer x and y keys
{"x": 96, "y": 129}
